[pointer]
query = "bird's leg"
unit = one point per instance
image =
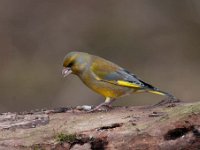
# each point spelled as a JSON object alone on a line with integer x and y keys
{"x": 107, "y": 103}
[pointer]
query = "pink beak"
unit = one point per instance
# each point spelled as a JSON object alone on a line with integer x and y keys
{"x": 66, "y": 71}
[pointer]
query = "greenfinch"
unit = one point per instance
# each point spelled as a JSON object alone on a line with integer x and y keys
{"x": 105, "y": 77}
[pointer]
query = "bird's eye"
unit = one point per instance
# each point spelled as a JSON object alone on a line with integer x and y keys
{"x": 70, "y": 64}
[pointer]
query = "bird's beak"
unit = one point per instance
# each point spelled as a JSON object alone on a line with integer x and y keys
{"x": 66, "y": 71}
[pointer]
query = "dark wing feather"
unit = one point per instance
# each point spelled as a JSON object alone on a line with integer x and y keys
{"x": 109, "y": 72}
{"x": 133, "y": 77}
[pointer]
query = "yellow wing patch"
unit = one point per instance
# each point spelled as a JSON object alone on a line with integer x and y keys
{"x": 127, "y": 84}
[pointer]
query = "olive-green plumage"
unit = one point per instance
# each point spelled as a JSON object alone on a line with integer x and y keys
{"x": 105, "y": 77}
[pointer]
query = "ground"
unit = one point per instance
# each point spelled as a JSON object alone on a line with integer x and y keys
{"x": 165, "y": 127}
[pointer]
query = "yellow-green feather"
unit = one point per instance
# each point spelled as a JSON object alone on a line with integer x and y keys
{"x": 127, "y": 84}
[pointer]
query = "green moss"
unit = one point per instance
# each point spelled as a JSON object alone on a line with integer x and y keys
{"x": 37, "y": 147}
{"x": 176, "y": 113}
{"x": 70, "y": 138}
{"x": 185, "y": 110}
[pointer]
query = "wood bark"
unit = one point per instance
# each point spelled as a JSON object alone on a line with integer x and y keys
{"x": 165, "y": 127}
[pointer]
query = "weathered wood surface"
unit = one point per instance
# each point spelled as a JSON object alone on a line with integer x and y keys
{"x": 166, "y": 127}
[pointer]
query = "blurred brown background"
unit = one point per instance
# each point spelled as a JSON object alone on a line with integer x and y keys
{"x": 157, "y": 40}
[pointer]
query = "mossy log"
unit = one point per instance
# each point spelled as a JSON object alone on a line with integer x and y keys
{"x": 167, "y": 127}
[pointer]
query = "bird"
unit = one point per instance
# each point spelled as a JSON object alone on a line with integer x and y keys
{"x": 107, "y": 78}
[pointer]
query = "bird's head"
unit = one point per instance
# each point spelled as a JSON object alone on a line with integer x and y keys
{"x": 74, "y": 62}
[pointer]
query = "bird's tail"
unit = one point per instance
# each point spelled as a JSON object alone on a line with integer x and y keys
{"x": 151, "y": 89}
{"x": 159, "y": 92}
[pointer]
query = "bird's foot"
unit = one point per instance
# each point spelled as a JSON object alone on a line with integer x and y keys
{"x": 169, "y": 101}
{"x": 107, "y": 105}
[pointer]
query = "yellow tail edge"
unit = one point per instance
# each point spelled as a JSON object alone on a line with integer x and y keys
{"x": 162, "y": 93}
{"x": 157, "y": 92}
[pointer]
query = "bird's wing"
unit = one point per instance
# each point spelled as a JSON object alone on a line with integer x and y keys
{"x": 111, "y": 73}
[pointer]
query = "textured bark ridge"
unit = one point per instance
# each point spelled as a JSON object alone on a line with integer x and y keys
{"x": 166, "y": 127}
